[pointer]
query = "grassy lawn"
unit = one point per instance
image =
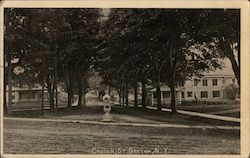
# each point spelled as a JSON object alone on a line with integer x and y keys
{"x": 33, "y": 105}
{"x": 213, "y": 109}
{"x": 209, "y": 108}
{"x": 202, "y": 108}
{"x": 122, "y": 114}
{"x": 71, "y": 138}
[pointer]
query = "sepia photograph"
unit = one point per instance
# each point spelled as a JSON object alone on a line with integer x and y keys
{"x": 122, "y": 81}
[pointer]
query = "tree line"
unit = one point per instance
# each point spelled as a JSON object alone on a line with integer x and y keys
{"x": 132, "y": 48}
{"x": 51, "y": 45}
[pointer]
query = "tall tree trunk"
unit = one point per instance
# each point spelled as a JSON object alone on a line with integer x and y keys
{"x": 10, "y": 108}
{"x": 120, "y": 95}
{"x": 144, "y": 94}
{"x": 5, "y": 108}
{"x": 56, "y": 80}
{"x": 71, "y": 90}
{"x": 127, "y": 89}
{"x": 136, "y": 94}
{"x": 80, "y": 86}
{"x": 79, "y": 93}
{"x": 70, "y": 86}
{"x": 238, "y": 79}
{"x": 120, "y": 98}
{"x": 172, "y": 80}
{"x": 235, "y": 67}
{"x": 172, "y": 89}
{"x": 42, "y": 104}
{"x": 229, "y": 52}
{"x": 83, "y": 95}
{"x": 69, "y": 101}
{"x": 51, "y": 94}
{"x": 158, "y": 82}
{"x": 158, "y": 95}
{"x": 51, "y": 99}
{"x": 123, "y": 94}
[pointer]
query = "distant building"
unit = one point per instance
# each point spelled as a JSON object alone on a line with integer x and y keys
{"x": 210, "y": 87}
{"x": 27, "y": 94}
{"x": 207, "y": 88}
{"x": 33, "y": 94}
{"x": 165, "y": 95}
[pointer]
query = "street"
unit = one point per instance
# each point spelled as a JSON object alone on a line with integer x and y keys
{"x": 72, "y": 138}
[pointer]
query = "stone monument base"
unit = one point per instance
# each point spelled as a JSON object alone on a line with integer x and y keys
{"x": 107, "y": 117}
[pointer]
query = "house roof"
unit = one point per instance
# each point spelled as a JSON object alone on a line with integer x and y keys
{"x": 226, "y": 71}
{"x": 165, "y": 88}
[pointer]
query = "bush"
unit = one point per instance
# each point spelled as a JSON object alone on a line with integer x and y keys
{"x": 232, "y": 90}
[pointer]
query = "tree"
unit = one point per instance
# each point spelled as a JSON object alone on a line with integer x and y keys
{"x": 222, "y": 26}
{"x": 162, "y": 40}
{"x": 16, "y": 46}
{"x": 54, "y": 35}
{"x": 232, "y": 90}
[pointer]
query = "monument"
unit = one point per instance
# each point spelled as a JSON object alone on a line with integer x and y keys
{"x": 107, "y": 117}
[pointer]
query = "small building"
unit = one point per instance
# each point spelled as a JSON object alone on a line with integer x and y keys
{"x": 165, "y": 95}
{"x": 26, "y": 94}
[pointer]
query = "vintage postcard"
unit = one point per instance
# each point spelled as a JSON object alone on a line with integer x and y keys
{"x": 125, "y": 78}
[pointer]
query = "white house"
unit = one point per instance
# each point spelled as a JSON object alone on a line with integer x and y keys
{"x": 26, "y": 94}
{"x": 207, "y": 88}
{"x": 210, "y": 87}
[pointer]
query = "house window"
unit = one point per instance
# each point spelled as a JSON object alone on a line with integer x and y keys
{"x": 23, "y": 95}
{"x": 204, "y": 82}
{"x": 204, "y": 94}
{"x": 166, "y": 94}
{"x": 33, "y": 94}
{"x": 189, "y": 94}
{"x": 196, "y": 82}
{"x": 182, "y": 95}
{"x": 176, "y": 95}
{"x": 27, "y": 94}
{"x": 216, "y": 94}
{"x": 154, "y": 94}
{"x": 233, "y": 80}
{"x": 215, "y": 82}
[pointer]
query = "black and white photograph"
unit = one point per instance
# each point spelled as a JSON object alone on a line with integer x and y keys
{"x": 123, "y": 81}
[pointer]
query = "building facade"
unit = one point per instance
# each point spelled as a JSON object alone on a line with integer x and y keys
{"x": 207, "y": 88}
{"x": 210, "y": 87}
{"x": 26, "y": 94}
{"x": 165, "y": 95}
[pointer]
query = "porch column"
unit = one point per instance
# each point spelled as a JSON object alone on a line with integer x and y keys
{"x": 162, "y": 99}
{"x": 179, "y": 97}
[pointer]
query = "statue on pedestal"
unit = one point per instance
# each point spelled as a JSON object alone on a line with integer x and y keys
{"x": 107, "y": 107}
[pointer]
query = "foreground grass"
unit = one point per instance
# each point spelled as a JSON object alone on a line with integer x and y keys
{"x": 76, "y": 138}
{"x": 122, "y": 114}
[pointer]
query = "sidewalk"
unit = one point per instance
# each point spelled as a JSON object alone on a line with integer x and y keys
{"x": 210, "y": 116}
{"x": 225, "y": 111}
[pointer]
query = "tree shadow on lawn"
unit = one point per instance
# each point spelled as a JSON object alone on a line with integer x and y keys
{"x": 154, "y": 115}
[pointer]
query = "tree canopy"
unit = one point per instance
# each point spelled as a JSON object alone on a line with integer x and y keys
{"x": 130, "y": 48}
